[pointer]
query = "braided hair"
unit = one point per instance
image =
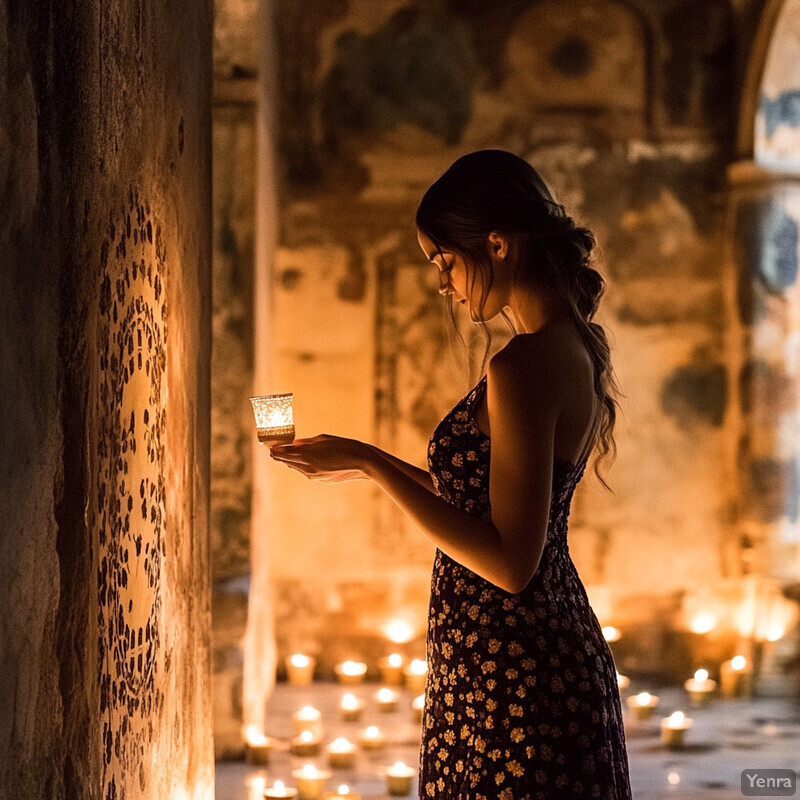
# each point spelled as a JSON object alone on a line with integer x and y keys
{"x": 496, "y": 191}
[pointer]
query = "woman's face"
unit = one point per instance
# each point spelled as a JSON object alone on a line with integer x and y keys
{"x": 456, "y": 279}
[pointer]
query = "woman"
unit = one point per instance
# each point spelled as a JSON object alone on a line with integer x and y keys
{"x": 522, "y": 699}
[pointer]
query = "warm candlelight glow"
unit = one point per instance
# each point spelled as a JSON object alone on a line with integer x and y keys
{"x": 418, "y": 706}
{"x": 702, "y": 622}
{"x": 418, "y": 667}
{"x": 343, "y": 789}
{"x": 341, "y": 753}
{"x": 274, "y": 418}
{"x": 399, "y": 631}
{"x": 673, "y": 778}
{"x": 395, "y": 660}
{"x": 277, "y": 790}
{"x": 398, "y": 779}
{"x": 738, "y": 663}
{"x": 623, "y": 681}
{"x": 643, "y": 699}
{"x": 372, "y": 738}
{"x": 310, "y": 781}
{"x": 257, "y": 786}
{"x": 700, "y": 687}
{"x": 611, "y": 634}
{"x": 701, "y": 675}
{"x": 350, "y": 671}
{"x": 349, "y": 701}
{"x": 673, "y": 729}
{"x": 299, "y": 660}
{"x": 386, "y": 695}
{"x": 642, "y": 705}
{"x": 254, "y": 736}
{"x": 307, "y": 736}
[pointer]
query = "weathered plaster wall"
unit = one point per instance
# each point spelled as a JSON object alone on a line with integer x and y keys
{"x": 104, "y": 440}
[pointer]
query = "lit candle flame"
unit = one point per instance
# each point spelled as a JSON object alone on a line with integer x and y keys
{"x": 418, "y": 667}
{"x": 299, "y": 660}
{"x": 307, "y": 736}
{"x": 344, "y": 789}
{"x": 349, "y": 702}
{"x": 611, "y": 634}
{"x": 738, "y": 663}
{"x": 353, "y": 668}
{"x": 395, "y": 660}
{"x": 386, "y": 695}
{"x": 643, "y": 698}
{"x": 279, "y": 786}
{"x": 399, "y": 631}
{"x": 309, "y": 771}
{"x": 372, "y": 732}
{"x": 676, "y": 718}
{"x": 702, "y": 622}
{"x": 701, "y": 675}
{"x": 308, "y": 712}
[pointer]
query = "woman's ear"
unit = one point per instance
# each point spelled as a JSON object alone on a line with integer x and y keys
{"x": 498, "y": 245}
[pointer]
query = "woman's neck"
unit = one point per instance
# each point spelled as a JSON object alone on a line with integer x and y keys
{"x": 532, "y": 309}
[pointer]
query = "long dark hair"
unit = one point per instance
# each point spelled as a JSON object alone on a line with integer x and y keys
{"x": 496, "y": 191}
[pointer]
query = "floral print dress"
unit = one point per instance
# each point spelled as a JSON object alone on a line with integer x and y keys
{"x": 521, "y": 700}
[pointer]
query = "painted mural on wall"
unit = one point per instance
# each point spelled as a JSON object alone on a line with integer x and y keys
{"x": 129, "y": 491}
{"x": 777, "y": 134}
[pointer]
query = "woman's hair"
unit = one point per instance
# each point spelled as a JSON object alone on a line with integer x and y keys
{"x": 496, "y": 191}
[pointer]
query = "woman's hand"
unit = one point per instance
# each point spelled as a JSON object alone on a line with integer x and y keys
{"x": 331, "y": 459}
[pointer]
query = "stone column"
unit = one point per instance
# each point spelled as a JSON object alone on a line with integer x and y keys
{"x": 104, "y": 409}
{"x": 259, "y": 648}
{"x": 764, "y": 219}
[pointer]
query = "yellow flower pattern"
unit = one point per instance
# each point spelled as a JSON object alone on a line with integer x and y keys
{"x": 521, "y": 699}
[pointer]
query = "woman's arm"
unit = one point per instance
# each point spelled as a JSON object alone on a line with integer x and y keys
{"x": 421, "y": 476}
{"x": 522, "y": 416}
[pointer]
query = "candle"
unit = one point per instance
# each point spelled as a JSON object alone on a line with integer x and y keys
{"x": 391, "y": 669}
{"x": 673, "y": 730}
{"x": 257, "y": 748}
{"x": 415, "y": 674}
{"x": 700, "y": 688}
{"x": 372, "y": 738}
{"x": 735, "y": 677}
{"x": 300, "y": 669}
{"x": 350, "y": 671}
{"x": 386, "y": 700}
{"x": 398, "y": 779}
{"x": 278, "y": 790}
{"x": 418, "y": 706}
{"x": 305, "y": 745}
{"x": 623, "y": 681}
{"x": 307, "y": 719}
{"x": 611, "y": 634}
{"x": 642, "y": 705}
{"x": 341, "y": 753}
{"x": 274, "y": 419}
{"x": 350, "y": 708}
{"x": 342, "y": 793}
{"x": 310, "y": 781}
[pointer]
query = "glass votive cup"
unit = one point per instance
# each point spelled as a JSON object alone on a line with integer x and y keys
{"x": 274, "y": 418}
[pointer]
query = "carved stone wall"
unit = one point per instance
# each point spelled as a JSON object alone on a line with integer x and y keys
{"x": 105, "y": 294}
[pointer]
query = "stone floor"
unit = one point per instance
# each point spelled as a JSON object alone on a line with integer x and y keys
{"x": 727, "y": 736}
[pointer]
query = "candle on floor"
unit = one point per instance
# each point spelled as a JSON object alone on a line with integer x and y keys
{"x": 415, "y": 675}
{"x": 305, "y": 745}
{"x": 257, "y": 747}
{"x": 398, "y": 779}
{"x": 310, "y": 781}
{"x": 342, "y": 793}
{"x": 391, "y": 669}
{"x": 350, "y": 708}
{"x": 300, "y": 669}
{"x": 611, "y": 634}
{"x": 341, "y": 753}
{"x": 735, "y": 677}
{"x": 386, "y": 700}
{"x": 279, "y": 790}
{"x": 350, "y": 671}
{"x": 307, "y": 718}
{"x": 418, "y": 706}
{"x": 372, "y": 738}
{"x": 700, "y": 687}
{"x": 673, "y": 730}
{"x": 642, "y": 705}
